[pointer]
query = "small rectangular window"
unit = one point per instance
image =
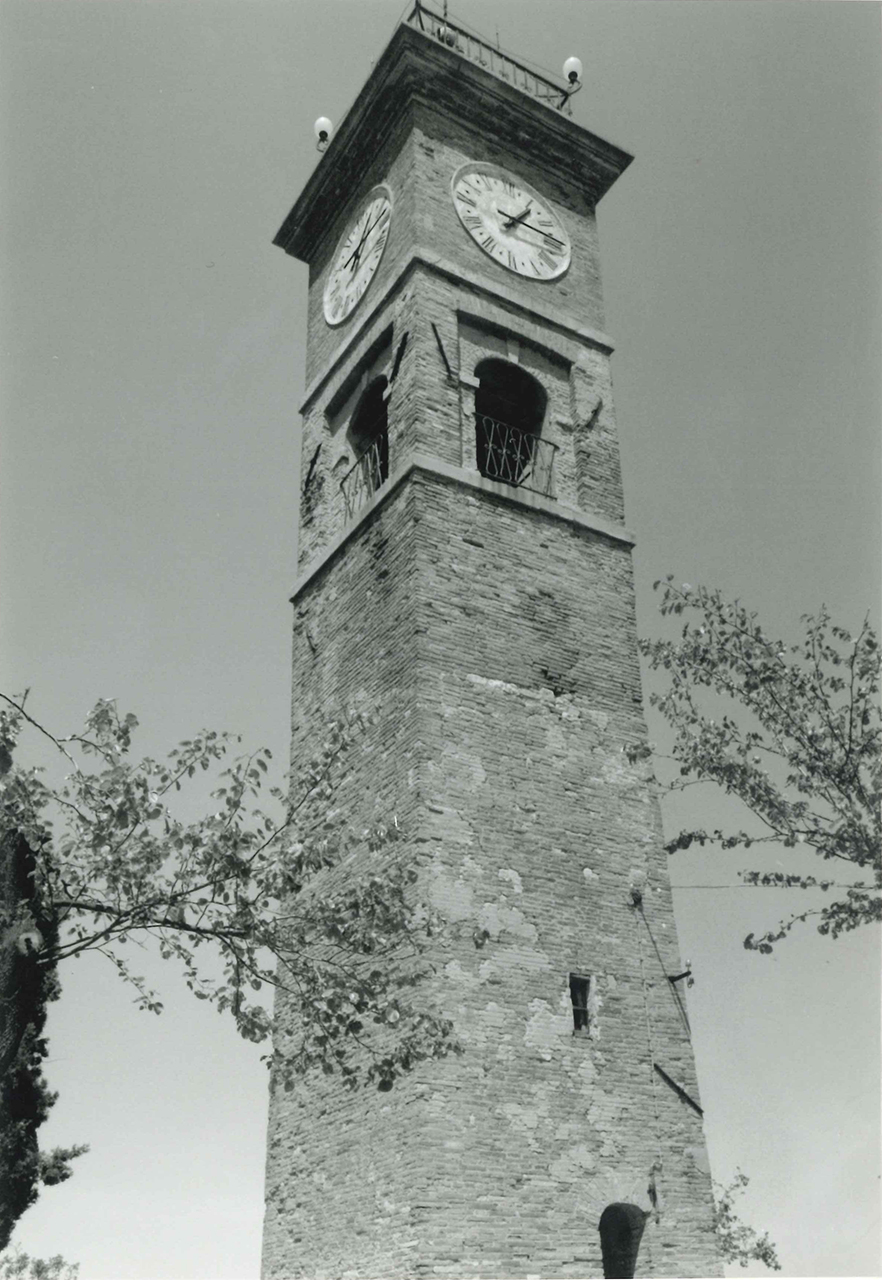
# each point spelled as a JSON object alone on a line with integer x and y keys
{"x": 580, "y": 994}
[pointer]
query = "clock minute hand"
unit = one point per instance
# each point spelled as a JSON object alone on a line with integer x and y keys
{"x": 547, "y": 234}
{"x": 517, "y": 220}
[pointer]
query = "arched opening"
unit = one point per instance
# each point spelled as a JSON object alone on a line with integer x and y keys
{"x": 369, "y": 436}
{"x": 509, "y": 411}
{"x": 621, "y": 1230}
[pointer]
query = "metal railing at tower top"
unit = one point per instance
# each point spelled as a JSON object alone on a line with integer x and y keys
{"x": 481, "y": 51}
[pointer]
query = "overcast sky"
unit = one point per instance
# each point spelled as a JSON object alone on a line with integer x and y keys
{"x": 152, "y": 342}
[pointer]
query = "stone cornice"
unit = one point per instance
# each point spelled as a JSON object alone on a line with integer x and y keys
{"x": 588, "y": 521}
{"x": 416, "y": 68}
{"x": 470, "y": 280}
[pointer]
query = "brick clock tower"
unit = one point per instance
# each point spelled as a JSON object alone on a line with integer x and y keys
{"x": 464, "y": 568}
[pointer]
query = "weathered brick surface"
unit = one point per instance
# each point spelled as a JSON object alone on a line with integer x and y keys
{"x": 497, "y": 642}
{"x": 499, "y": 647}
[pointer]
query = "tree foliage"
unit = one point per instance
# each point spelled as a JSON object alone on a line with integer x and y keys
{"x": 26, "y": 987}
{"x": 17, "y": 1265}
{"x": 243, "y": 902}
{"x": 794, "y": 732}
{"x": 738, "y": 1242}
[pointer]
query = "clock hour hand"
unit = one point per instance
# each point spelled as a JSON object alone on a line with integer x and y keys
{"x": 514, "y": 218}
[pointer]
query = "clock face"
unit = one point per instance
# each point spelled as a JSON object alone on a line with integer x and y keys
{"x": 510, "y": 221}
{"x": 358, "y": 255}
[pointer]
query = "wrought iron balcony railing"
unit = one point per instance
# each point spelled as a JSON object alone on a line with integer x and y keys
{"x": 367, "y": 473}
{"x": 503, "y": 453}
{"x": 486, "y": 55}
{"x": 513, "y": 456}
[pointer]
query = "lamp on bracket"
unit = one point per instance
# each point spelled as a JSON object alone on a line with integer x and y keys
{"x": 322, "y": 130}
{"x": 572, "y": 70}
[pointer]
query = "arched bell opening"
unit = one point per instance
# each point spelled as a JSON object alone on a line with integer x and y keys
{"x": 621, "y": 1230}
{"x": 509, "y": 412}
{"x": 368, "y": 435}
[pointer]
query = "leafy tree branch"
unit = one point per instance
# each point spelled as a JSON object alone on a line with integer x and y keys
{"x": 245, "y": 902}
{"x": 797, "y": 740}
{"x": 739, "y": 1242}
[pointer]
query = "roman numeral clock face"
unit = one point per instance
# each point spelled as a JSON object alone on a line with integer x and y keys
{"x": 358, "y": 255}
{"x": 510, "y": 221}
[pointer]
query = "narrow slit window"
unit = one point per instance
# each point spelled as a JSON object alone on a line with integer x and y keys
{"x": 580, "y": 994}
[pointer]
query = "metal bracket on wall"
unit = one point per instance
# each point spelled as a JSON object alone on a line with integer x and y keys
{"x": 311, "y": 467}
{"x": 443, "y": 352}
{"x": 399, "y": 356}
{"x": 678, "y": 1089}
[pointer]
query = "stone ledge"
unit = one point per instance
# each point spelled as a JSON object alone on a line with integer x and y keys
{"x": 586, "y": 520}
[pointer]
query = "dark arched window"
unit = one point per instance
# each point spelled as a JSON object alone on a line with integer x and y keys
{"x": 621, "y": 1230}
{"x": 509, "y": 411}
{"x": 369, "y": 437}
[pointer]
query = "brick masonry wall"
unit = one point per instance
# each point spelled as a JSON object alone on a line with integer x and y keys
{"x": 499, "y": 646}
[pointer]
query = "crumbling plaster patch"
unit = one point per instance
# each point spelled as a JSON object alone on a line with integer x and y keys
{"x": 455, "y": 898}
{"x": 455, "y": 973}
{"x": 519, "y": 1117}
{"x": 545, "y": 1029}
{"x": 498, "y": 918}
{"x": 527, "y": 1117}
{"x": 573, "y": 1164}
{"x": 616, "y": 771}
{"x": 699, "y": 1157}
{"x": 460, "y": 770}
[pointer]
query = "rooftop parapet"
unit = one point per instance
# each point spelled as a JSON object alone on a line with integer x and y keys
{"x": 478, "y": 50}
{"x": 420, "y": 70}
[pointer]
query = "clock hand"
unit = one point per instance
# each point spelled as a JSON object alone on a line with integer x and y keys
{"x": 547, "y": 234}
{"x": 356, "y": 252}
{"x": 354, "y": 256}
{"x": 514, "y": 218}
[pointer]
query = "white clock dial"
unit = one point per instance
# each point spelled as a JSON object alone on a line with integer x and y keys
{"x": 510, "y": 221}
{"x": 358, "y": 255}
